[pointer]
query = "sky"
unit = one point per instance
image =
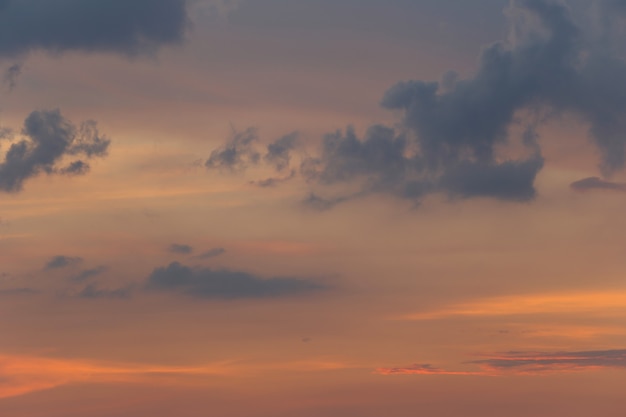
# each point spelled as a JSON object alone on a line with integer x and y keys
{"x": 338, "y": 208}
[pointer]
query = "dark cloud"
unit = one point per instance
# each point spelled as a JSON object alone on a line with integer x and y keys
{"x": 459, "y": 136}
{"x": 279, "y": 152}
{"x": 92, "y": 291}
{"x": 180, "y": 249}
{"x": 595, "y": 183}
{"x": 225, "y": 284}
{"x": 11, "y": 75}
{"x": 123, "y": 26}
{"x": 47, "y": 139}
{"x": 62, "y": 261}
{"x": 240, "y": 152}
{"x": 211, "y": 253}
{"x": 237, "y": 154}
{"x": 90, "y": 273}
{"x": 555, "y": 361}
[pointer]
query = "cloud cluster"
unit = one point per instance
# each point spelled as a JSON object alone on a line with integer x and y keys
{"x": 477, "y": 136}
{"x": 122, "y": 26}
{"x": 225, "y": 284}
{"x": 47, "y": 140}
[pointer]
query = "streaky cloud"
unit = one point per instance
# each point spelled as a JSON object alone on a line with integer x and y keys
{"x": 596, "y": 183}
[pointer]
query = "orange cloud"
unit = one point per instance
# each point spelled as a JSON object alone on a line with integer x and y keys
{"x": 21, "y": 375}
{"x": 587, "y": 302}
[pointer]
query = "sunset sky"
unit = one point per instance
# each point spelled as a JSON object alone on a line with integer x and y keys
{"x": 312, "y": 208}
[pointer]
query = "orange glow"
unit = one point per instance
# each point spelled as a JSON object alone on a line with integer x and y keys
{"x": 583, "y": 302}
{"x": 21, "y": 375}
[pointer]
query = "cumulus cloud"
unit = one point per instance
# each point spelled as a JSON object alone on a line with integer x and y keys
{"x": 180, "y": 249}
{"x": 225, "y": 284}
{"x": 62, "y": 261}
{"x": 595, "y": 183}
{"x": 123, "y": 26}
{"x": 47, "y": 139}
{"x": 477, "y": 136}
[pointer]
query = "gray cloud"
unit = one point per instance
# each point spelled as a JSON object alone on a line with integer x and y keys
{"x": 556, "y": 361}
{"x": 48, "y": 138}
{"x": 274, "y": 181}
{"x": 211, "y": 253}
{"x": 456, "y": 137}
{"x": 122, "y": 26}
{"x": 279, "y": 152}
{"x": 180, "y": 249}
{"x": 225, "y": 284}
{"x": 90, "y": 273}
{"x": 237, "y": 154}
{"x": 92, "y": 291}
{"x": 595, "y": 183}
{"x": 61, "y": 261}
{"x": 11, "y": 75}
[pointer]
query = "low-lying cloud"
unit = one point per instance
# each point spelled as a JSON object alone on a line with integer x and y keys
{"x": 225, "y": 284}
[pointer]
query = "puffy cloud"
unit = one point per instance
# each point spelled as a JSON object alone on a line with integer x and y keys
{"x": 225, "y": 284}
{"x": 123, "y": 26}
{"x": 47, "y": 139}
{"x": 279, "y": 152}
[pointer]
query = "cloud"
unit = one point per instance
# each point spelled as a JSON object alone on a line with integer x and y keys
{"x": 225, "y": 284}
{"x": 180, "y": 249}
{"x": 62, "y": 261}
{"x": 279, "y": 152}
{"x": 18, "y": 291}
{"x": 549, "y": 303}
{"x": 48, "y": 138}
{"x": 536, "y": 362}
{"x": 90, "y": 273}
{"x": 129, "y": 27}
{"x": 237, "y": 154}
{"x": 595, "y": 183}
{"x": 477, "y": 137}
{"x": 274, "y": 181}
{"x": 211, "y": 253}
{"x": 11, "y": 75}
{"x": 92, "y": 291}
{"x": 525, "y": 363}
{"x": 240, "y": 152}
{"x": 23, "y": 374}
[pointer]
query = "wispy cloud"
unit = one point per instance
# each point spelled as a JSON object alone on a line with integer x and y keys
{"x": 558, "y": 303}
{"x": 595, "y": 183}
{"x": 525, "y": 363}
{"x": 25, "y": 374}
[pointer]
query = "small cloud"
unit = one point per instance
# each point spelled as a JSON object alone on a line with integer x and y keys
{"x": 180, "y": 249}
{"x": 11, "y": 76}
{"x": 62, "y": 261}
{"x": 18, "y": 291}
{"x": 595, "y": 183}
{"x": 212, "y": 253}
{"x": 225, "y": 284}
{"x": 273, "y": 181}
{"x": 90, "y": 273}
{"x": 92, "y": 291}
{"x": 306, "y": 340}
{"x": 237, "y": 154}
